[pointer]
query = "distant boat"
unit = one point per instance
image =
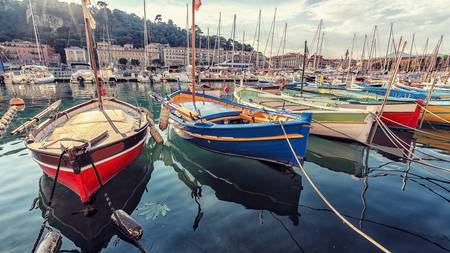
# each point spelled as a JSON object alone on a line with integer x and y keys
{"x": 33, "y": 74}
{"x": 81, "y": 72}
{"x": 223, "y": 126}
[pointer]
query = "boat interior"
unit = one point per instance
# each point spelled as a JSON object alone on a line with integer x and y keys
{"x": 211, "y": 110}
{"x": 88, "y": 124}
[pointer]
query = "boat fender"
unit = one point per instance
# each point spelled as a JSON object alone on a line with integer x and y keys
{"x": 50, "y": 244}
{"x": 127, "y": 225}
{"x": 4, "y": 121}
{"x": 156, "y": 135}
{"x": 7, "y": 117}
{"x": 164, "y": 117}
{"x": 2, "y": 126}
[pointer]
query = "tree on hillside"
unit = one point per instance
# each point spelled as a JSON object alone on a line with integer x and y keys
{"x": 123, "y": 61}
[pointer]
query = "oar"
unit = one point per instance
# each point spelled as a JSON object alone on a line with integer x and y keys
{"x": 36, "y": 118}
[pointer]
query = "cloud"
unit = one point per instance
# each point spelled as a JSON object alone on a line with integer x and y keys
{"x": 342, "y": 18}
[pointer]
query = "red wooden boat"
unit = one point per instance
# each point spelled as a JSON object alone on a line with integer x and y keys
{"x": 92, "y": 142}
{"x": 399, "y": 114}
{"x": 112, "y": 137}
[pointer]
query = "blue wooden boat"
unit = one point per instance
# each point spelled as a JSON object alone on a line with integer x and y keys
{"x": 224, "y": 126}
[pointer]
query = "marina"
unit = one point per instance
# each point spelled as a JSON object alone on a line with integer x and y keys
{"x": 142, "y": 136}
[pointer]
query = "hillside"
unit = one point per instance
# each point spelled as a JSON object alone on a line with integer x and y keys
{"x": 60, "y": 25}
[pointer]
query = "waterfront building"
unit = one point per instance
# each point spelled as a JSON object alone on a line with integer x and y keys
{"x": 287, "y": 61}
{"x": 26, "y": 53}
{"x": 133, "y": 56}
{"x": 76, "y": 55}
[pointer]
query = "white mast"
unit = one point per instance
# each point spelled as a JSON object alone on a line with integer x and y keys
{"x": 350, "y": 60}
{"x": 208, "y": 59}
{"x": 271, "y": 41}
{"x": 258, "y": 38}
{"x": 145, "y": 37}
{"x": 218, "y": 37}
{"x": 284, "y": 45}
{"x": 233, "y": 36}
{"x": 38, "y": 46}
{"x": 386, "y": 62}
{"x": 242, "y": 47}
{"x": 186, "y": 63}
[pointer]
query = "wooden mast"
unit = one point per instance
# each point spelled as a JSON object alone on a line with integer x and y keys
{"x": 193, "y": 51}
{"x": 90, "y": 46}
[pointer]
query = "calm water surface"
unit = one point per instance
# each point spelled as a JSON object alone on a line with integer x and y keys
{"x": 191, "y": 200}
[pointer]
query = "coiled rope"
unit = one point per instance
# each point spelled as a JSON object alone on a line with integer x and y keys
{"x": 324, "y": 199}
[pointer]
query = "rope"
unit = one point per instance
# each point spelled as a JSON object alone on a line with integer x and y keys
{"x": 335, "y": 211}
{"x": 377, "y": 148}
{"x": 110, "y": 205}
{"x": 43, "y": 226}
{"x": 437, "y": 116}
{"x": 389, "y": 133}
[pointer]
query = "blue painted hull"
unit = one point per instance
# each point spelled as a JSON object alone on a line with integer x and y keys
{"x": 261, "y": 141}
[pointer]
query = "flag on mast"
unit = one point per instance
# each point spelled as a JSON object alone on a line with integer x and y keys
{"x": 197, "y": 4}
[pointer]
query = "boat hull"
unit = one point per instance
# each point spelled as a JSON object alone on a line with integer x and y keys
{"x": 261, "y": 141}
{"x": 348, "y": 125}
{"x": 84, "y": 183}
{"x": 271, "y": 147}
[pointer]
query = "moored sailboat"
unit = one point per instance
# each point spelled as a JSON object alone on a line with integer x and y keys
{"x": 343, "y": 123}
{"x": 223, "y": 126}
{"x": 88, "y": 144}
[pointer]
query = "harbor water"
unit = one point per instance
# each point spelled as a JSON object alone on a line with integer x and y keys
{"x": 191, "y": 200}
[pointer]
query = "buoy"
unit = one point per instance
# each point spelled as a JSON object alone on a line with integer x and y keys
{"x": 129, "y": 226}
{"x": 16, "y": 102}
{"x": 50, "y": 244}
{"x": 156, "y": 135}
{"x": 164, "y": 117}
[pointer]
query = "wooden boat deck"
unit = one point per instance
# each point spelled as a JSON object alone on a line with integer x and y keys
{"x": 279, "y": 104}
{"x": 95, "y": 126}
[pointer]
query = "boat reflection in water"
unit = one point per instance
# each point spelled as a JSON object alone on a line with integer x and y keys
{"x": 252, "y": 184}
{"x": 92, "y": 233}
{"x": 352, "y": 158}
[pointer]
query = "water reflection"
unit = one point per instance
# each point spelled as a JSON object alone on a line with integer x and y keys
{"x": 92, "y": 232}
{"x": 252, "y": 184}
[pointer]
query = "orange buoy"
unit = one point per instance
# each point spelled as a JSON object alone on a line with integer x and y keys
{"x": 16, "y": 102}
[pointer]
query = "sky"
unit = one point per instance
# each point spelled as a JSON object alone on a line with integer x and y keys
{"x": 341, "y": 20}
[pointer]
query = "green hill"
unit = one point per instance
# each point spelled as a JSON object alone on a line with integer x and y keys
{"x": 60, "y": 25}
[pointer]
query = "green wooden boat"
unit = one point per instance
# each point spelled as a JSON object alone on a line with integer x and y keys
{"x": 329, "y": 121}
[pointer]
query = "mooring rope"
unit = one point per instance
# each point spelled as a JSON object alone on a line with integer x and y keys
{"x": 324, "y": 199}
{"x": 43, "y": 226}
{"x": 376, "y": 147}
{"x": 390, "y": 134}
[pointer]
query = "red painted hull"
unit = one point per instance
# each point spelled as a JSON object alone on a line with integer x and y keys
{"x": 85, "y": 184}
{"x": 409, "y": 119}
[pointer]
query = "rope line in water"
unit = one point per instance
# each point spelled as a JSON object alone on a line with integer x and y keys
{"x": 417, "y": 159}
{"x": 324, "y": 199}
{"x": 377, "y": 148}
